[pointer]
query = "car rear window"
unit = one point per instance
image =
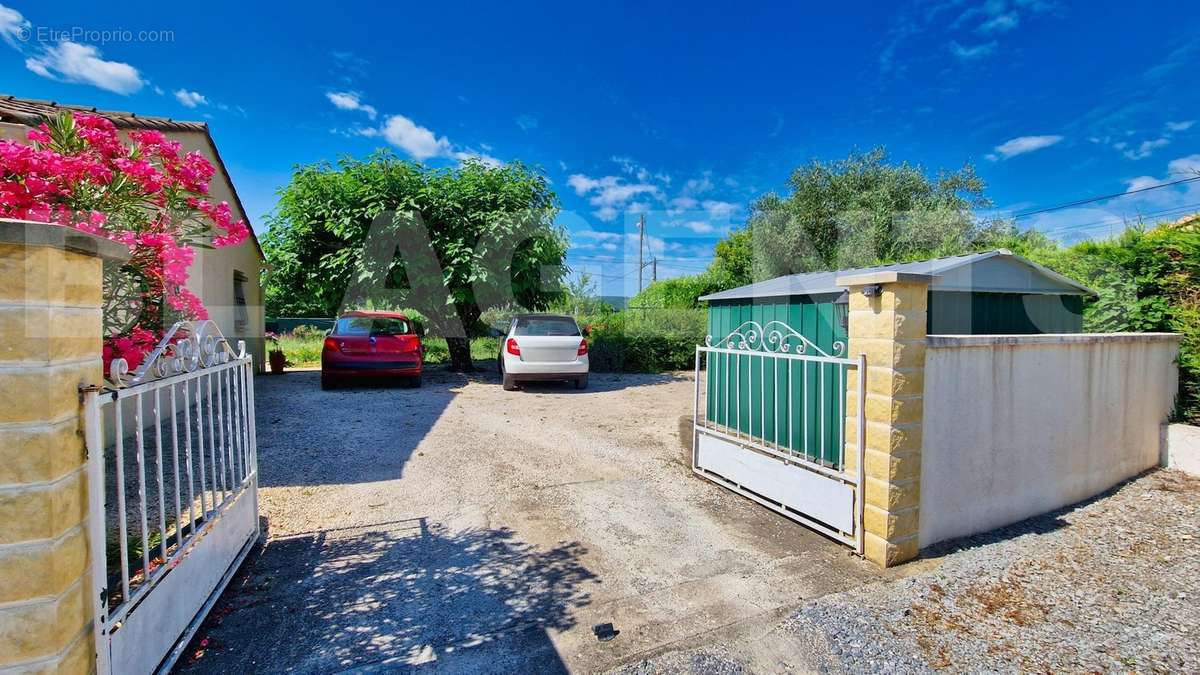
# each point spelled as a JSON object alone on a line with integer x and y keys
{"x": 371, "y": 325}
{"x": 546, "y": 326}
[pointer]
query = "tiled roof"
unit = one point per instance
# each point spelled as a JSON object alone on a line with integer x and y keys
{"x": 31, "y": 112}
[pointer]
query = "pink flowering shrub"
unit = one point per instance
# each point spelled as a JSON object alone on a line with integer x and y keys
{"x": 78, "y": 172}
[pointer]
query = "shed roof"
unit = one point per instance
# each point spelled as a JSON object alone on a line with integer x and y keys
{"x": 999, "y": 271}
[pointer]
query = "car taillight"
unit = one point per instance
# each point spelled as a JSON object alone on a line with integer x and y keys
{"x": 331, "y": 345}
{"x": 582, "y": 348}
{"x": 511, "y": 347}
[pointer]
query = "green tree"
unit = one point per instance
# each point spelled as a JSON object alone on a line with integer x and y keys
{"x": 733, "y": 260}
{"x": 863, "y": 210}
{"x": 384, "y": 232}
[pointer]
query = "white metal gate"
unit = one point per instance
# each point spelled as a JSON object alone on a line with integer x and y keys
{"x": 769, "y": 421}
{"x": 173, "y": 490}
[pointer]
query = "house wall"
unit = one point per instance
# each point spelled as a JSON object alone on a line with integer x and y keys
{"x": 1016, "y": 426}
{"x": 213, "y": 270}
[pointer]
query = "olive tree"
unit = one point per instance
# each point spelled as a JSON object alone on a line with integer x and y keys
{"x": 865, "y": 209}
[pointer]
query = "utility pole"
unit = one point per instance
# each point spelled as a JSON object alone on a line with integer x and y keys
{"x": 641, "y": 238}
{"x": 654, "y": 269}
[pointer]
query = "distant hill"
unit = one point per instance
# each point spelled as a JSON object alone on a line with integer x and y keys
{"x": 617, "y": 302}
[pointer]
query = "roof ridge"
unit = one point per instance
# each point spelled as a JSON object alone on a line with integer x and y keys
{"x": 27, "y": 110}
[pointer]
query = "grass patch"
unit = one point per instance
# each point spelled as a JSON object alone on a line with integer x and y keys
{"x": 304, "y": 350}
{"x": 482, "y": 349}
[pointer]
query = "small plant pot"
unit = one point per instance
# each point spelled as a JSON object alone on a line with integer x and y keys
{"x": 277, "y": 360}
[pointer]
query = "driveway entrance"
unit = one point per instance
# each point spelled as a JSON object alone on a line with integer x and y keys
{"x": 472, "y": 529}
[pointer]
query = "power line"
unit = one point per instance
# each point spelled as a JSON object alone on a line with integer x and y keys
{"x": 1117, "y": 220}
{"x": 1090, "y": 200}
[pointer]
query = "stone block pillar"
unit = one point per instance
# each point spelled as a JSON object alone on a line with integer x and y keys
{"x": 887, "y": 323}
{"x": 50, "y": 344}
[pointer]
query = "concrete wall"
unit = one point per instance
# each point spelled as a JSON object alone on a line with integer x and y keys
{"x": 1183, "y": 448}
{"x": 1018, "y": 425}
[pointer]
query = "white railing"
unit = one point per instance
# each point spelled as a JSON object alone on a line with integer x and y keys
{"x": 172, "y": 467}
{"x": 770, "y": 389}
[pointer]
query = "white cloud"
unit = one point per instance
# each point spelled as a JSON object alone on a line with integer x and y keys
{"x": 699, "y": 226}
{"x": 73, "y": 62}
{"x": 719, "y": 209}
{"x": 1146, "y": 148}
{"x": 1180, "y": 126}
{"x": 350, "y": 100}
{"x": 527, "y": 122}
{"x": 1021, "y": 145}
{"x": 609, "y": 194}
{"x": 483, "y": 158}
{"x": 416, "y": 140}
{"x": 683, "y": 203}
{"x": 973, "y": 52}
{"x": 696, "y": 186}
{"x": 1001, "y": 23}
{"x": 1110, "y": 217}
{"x": 14, "y": 27}
{"x": 1184, "y": 165}
{"x": 190, "y": 99}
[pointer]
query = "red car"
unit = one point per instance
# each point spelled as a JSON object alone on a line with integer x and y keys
{"x": 371, "y": 345}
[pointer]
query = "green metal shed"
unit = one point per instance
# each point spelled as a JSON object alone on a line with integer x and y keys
{"x": 994, "y": 292}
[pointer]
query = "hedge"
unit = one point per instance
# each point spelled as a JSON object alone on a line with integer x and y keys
{"x": 645, "y": 342}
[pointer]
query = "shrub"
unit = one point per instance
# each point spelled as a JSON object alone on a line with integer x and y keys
{"x": 304, "y": 332}
{"x": 646, "y": 341}
{"x": 677, "y": 293}
{"x": 147, "y": 194}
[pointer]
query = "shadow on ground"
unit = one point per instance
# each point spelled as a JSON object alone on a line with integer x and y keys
{"x": 1045, "y": 523}
{"x": 602, "y": 382}
{"x": 391, "y": 596}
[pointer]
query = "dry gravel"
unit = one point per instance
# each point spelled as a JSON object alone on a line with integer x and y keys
{"x": 1113, "y": 585}
{"x": 1108, "y": 586}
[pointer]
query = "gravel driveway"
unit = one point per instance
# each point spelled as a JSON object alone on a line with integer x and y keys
{"x": 1111, "y": 585}
{"x": 472, "y": 529}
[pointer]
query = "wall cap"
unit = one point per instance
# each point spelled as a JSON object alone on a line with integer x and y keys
{"x": 885, "y": 277}
{"x": 951, "y": 341}
{"x": 30, "y": 233}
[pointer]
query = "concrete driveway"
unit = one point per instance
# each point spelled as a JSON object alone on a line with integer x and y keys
{"x": 468, "y": 529}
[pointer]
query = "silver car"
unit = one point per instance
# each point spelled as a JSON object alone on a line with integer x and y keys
{"x": 542, "y": 347}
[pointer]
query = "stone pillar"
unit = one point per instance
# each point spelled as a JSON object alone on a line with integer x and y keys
{"x": 887, "y": 323}
{"x": 50, "y": 344}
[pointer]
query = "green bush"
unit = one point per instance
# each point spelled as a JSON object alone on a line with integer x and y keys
{"x": 645, "y": 341}
{"x": 482, "y": 349}
{"x": 677, "y": 293}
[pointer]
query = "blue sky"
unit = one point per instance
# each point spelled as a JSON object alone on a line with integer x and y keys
{"x": 685, "y": 116}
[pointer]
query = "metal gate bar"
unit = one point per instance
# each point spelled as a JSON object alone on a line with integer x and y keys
{"x": 193, "y": 551}
{"x": 722, "y": 442}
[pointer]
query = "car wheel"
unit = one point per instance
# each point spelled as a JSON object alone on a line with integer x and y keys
{"x": 509, "y": 383}
{"x": 581, "y": 382}
{"x": 414, "y": 382}
{"x": 327, "y": 382}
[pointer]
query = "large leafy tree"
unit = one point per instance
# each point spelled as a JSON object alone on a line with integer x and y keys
{"x": 862, "y": 210}
{"x": 384, "y": 232}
